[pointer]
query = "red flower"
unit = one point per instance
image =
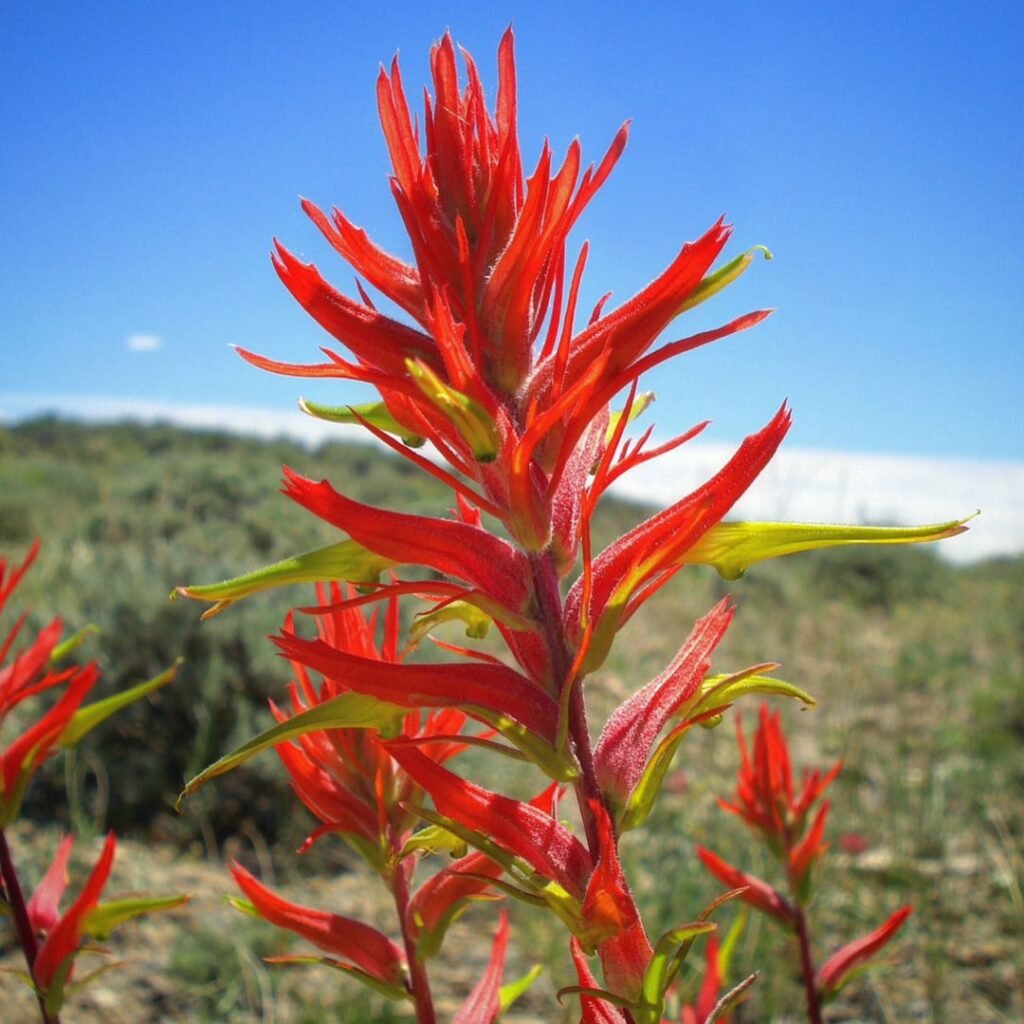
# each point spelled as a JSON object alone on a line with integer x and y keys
{"x": 771, "y": 803}
{"x": 24, "y": 677}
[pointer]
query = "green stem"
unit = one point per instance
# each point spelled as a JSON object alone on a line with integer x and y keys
{"x": 22, "y": 925}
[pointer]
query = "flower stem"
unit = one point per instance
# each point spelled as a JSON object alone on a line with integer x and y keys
{"x": 549, "y": 602}
{"x": 22, "y": 925}
{"x": 419, "y": 983}
{"x": 807, "y": 966}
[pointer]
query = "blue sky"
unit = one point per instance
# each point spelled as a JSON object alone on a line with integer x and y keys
{"x": 149, "y": 153}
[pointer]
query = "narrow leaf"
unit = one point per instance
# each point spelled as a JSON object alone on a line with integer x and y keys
{"x": 347, "y": 560}
{"x": 733, "y": 547}
{"x": 372, "y": 412}
{"x": 84, "y": 720}
{"x": 105, "y": 917}
{"x": 346, "y": 711}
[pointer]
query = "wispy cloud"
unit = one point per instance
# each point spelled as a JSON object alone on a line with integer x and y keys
{"x": 144, "y": 342}
{"x": 799, "y": 484}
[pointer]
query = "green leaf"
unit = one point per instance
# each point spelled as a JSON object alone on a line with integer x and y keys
{"x": 84, "y": 720}
{"x": 721, "y": 278}
{"x": 345, "y": 560}
{"x": 645, "y": 792}
{"x": 718, "y": 691}
{"x": 555, "y": 765}
{"x": 374, "y": 413}
{"x": 434, "y": 839}
{"x": 509, "y": 993}
{"x": 729, "y": 943}
{"x": 663, "y": 968}
{"x": 733, "y": 547}
{"x": 105, "y": 917}
{"x": 346, "y": 711}
{"x": 477, "y": 621}
{"x": 73, "y": 642}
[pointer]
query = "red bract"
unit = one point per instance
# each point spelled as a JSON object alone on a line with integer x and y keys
{"x": 625, "y": 743}
{"x": 361, "y": 949}
{"x": 52, "y": 967}
{"x": 839, "y": 967}
{"x": 24, "y": 677}
{"x": 483, "y": 1004}
{"x": 757, "y": 893}
{"x": 345, "y": 776}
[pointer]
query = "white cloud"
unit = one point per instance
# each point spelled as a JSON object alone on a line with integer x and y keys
{"x": 799, "y": 484}
{"x": 144, "y": 342}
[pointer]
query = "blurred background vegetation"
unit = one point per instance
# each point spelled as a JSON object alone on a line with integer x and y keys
{"x": 918, "y": 667}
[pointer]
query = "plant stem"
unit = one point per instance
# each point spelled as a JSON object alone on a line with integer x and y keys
{"x": 807, "y": 966}
{"x": 22, "y": 925}
{"x": 549, "y": 601}
{"x": 418, "y": 980}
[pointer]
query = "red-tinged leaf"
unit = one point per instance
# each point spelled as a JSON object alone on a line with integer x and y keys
{"x": 17, "y": 678}
{"x": 623, "y": 748}
{"x": 451, "y": 547}
{"x": 494, "y": 688}
{"x": 757, "y": 893}
{"x": 839, "y": 966}
{"x": 44, "y": 907}
{"x": 443, "y": 897}
{"x": 355, "y": 942}
{"x": 630, "y": 330}
{"x": 521, "y": 829}
{"x": 64, "y": 938}
{"x": 636, "y": 562}
{"x": 8, "y": 587}
{"x": 483, "y": 1004}
{"x": 395, "y": 279}
{"x": 374, "y": 339}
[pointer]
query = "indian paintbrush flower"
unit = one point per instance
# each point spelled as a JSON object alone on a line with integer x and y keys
{"x": 489, "y": 362}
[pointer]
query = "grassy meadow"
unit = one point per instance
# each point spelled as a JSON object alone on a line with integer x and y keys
{"x": 918, "y": 668}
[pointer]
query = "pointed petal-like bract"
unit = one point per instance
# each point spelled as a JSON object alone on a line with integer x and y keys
{"x": 838, "y": 967}
{"x": 634, "y": 563}
{"x": 625, "y": 743}
{"x": 758, "y": 894}
{"x": 522, "y": 829}
{"x": 353, "y": 941}
{"x": 64, "y": 938}
{"x": 455, "y": 548}
{"x": 44, "y": 907}
{"x": 495, "y": 688}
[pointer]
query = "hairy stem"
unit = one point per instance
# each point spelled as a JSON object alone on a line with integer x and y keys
{"x": 419, "y": 983}
{"x": 549, "y": 601}
{"x": 19, "y": 911}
